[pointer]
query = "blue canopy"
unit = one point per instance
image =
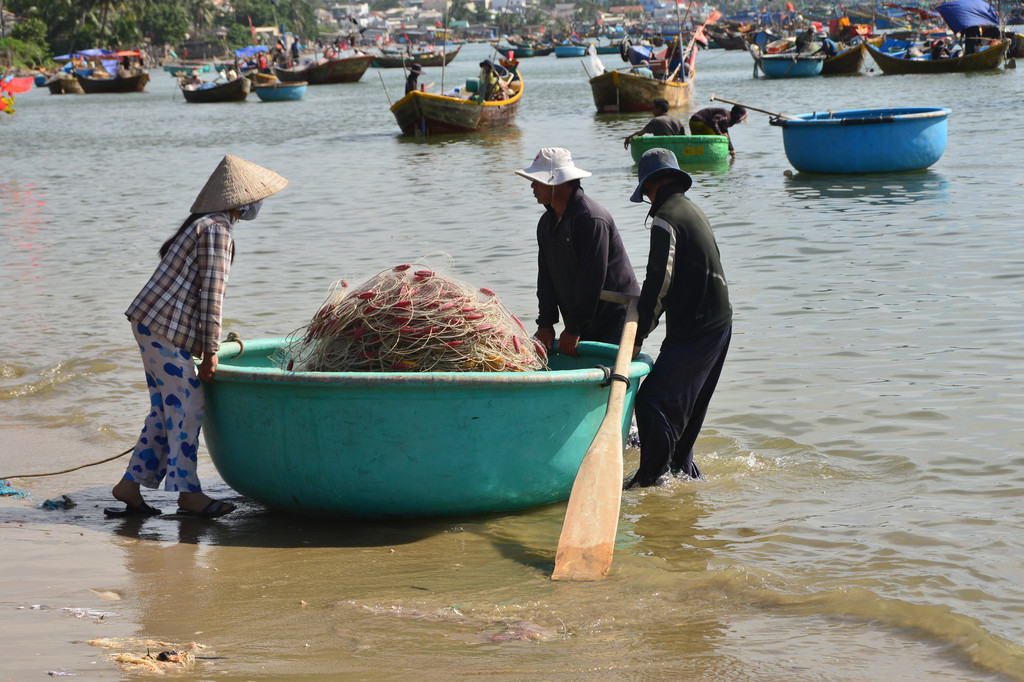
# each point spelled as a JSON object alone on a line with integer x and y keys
{"x": 247, "y": 52}
{"x": 963, "y": 14}
{"x": 94, "y": 52}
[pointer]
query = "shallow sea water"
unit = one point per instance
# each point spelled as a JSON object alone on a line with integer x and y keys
{"x": 861, "y": 516}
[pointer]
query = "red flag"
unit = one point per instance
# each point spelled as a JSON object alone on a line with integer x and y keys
{"x": 715, "y": 16}
{"x": 789, "y": 7}
{"x": 700, "y": 36}
{"x": 16, "y": 85}
{"x": 252, "y": 29}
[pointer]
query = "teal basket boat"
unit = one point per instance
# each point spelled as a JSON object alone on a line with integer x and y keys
{"x": 405, "y": 444}
{"x": 690, "y": 150}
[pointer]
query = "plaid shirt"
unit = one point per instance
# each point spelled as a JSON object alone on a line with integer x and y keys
{"x": 182, "y": 300}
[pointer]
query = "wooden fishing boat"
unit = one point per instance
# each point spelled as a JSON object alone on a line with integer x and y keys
{"x": 542, "y": 50}
{"x": 790, "y": 64}
{"x": 850, "y": 60}
{"x": 64, "y": 84}
{"x": 430, "y": 114}
{"x": 989, "y": 58}
{"x": 865, "y": 140}
{"x": 326, "y": 71}
{"x": 280, "y": 92}
{"x": 397, "y": 59}
{"x": 405, "y": 444}
{"x": 96, "y": 86}
{"x": 621, "y": 90}
{"x": 232, "y": 91}
{"x": 727, "y": 39}
{"x": 692, "y": 151}
{"x": 518, "y": 50}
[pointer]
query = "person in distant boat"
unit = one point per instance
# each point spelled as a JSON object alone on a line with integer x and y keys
{"x": 580, "y": 254}
{"x": 488, "y": 81}
{"x": 415, "y": 71}
{"x": 643, "y": 69}
{"x": 939, "y": 50}
{"x": 685, "y": 282}
{"x": 805, "y": 39}
{"x": 296, "y": 50}
{"x": 176, "y": 318}
{"x": 717, "y": 121}
{"x": 663, "y": 123}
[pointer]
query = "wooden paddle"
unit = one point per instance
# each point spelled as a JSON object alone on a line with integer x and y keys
{"x": 588, "y": 533}
{"x": 746, "y": 106}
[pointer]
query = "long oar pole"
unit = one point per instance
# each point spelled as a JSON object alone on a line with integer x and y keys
{"x": 747, "y": 106}
{"x": 587, "y": 542}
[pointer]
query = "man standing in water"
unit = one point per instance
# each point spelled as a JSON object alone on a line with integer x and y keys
{"x": 685, "y": 281}
{"x": 581, "y": 253}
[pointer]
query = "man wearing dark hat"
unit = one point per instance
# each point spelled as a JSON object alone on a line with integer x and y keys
{"x": 686, "y": 283}
{"x": 717, "y": 121}
{"x": 662, "y": 124}
{"x": 580, "y": 253}
{"x": 410, "y": 81}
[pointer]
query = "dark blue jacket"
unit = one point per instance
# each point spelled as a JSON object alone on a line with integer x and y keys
{"x": 579, "y": 256}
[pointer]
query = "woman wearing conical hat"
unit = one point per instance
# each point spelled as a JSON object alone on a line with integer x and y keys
{"x": 177, "y": 317}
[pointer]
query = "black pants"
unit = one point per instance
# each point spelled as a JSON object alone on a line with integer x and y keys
{"x": 672, "y": 403}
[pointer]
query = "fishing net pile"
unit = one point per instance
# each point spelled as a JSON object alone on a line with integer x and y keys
{"x": 407, "y": 319}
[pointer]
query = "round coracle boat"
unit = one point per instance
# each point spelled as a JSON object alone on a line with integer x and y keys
{"x": 406, "y": 444}
{"x": 865, "y": 140}
{"x": 690, "y": 150}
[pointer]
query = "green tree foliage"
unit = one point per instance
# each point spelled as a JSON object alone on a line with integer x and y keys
{"x": 165, "y": 23}
{"x": 31, "y": 31}
{"x": 80, "y": 24}
{"x": 238, "y": 36}
{"x": 24, "y": 54}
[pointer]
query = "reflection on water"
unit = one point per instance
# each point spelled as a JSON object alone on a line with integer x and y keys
{"x": 879, "y": 189}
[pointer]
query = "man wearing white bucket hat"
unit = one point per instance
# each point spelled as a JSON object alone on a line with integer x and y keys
{"x": 580, "y": 253}
{"x": 685, "y": 282}
{"x": 177, "y": 317}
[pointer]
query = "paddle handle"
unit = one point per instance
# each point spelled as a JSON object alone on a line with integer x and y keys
{"x": 747, "y": 106}
{"x": 587, "y": 542}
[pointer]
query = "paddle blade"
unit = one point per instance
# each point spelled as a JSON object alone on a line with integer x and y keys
{"x": 587, "y": 542}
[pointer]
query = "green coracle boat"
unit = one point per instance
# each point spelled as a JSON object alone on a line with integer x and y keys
{"x": 692, "y": 151}
{"x": 405, "y": 444}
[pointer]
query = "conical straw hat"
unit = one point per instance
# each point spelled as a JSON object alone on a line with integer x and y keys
{"x": 237, "y": 182}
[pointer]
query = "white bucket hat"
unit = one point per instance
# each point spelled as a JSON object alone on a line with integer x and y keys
{"x": 553, "y": 166}
{"x": 237, "y": 182}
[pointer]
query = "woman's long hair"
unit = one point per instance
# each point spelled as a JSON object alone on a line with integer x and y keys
{"x": 181, "y": 230}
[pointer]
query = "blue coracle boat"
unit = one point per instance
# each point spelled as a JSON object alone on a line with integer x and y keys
{"x": 865, "y": 140}
{"x": 280, "y": 92}
{"x": 570, "y": 50}
{"x": 790, "y": 65}
{"x": 406, "y": 444}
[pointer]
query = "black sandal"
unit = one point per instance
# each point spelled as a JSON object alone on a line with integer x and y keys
{"x": 142, "y": 509}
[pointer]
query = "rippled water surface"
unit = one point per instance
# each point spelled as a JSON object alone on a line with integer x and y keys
{"x": 861, "y": 518}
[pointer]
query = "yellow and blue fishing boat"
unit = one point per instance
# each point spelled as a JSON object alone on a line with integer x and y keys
{"x": 406, "y": 444}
